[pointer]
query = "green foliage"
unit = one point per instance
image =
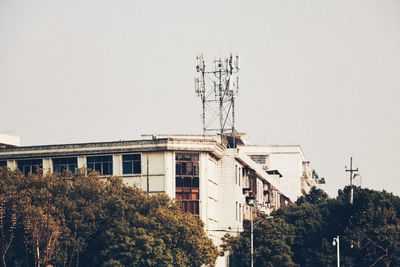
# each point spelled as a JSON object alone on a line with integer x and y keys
{"x": 82, "y": 220}
{"x": 272, "y": 239}
{"x": 369, "y": 231}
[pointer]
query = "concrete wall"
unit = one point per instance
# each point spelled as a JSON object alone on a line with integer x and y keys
{"x": 153, "y": 173}
{"x": 211, "y": 180}
{"x": 230, "y": 201}
{"x": 47, "y": 165}
{"x": 290, "y": 166}
{"x": 231, "y": 195}
{"x": 169, "y": 173}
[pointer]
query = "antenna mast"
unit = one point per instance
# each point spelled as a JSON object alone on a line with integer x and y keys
{"x": 217, "y": 89}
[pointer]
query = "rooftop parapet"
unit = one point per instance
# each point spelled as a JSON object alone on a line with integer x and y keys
{"x": 8, "y": 141}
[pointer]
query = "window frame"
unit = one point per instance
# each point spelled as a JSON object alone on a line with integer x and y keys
{"x": 133, "y": 161}
{"x": 32, "y": 168}
{"x": 187, "y": 181}
{"x": 64, "y": 164}
{"x": 102, "y": 164}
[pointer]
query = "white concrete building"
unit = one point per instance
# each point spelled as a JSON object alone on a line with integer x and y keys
{"x": 221, "y": 185}
{"x": 289, "y": 160}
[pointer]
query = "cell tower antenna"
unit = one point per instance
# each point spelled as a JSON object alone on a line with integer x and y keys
{"x": 217, "y": 89}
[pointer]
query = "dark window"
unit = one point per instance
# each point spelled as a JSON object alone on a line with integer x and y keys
{"x": 131, "y": 164}
{"x": 240, "y": 212}
{"x": 29, "y": 165}
{"x": 237, "y": 208}
{"x": 179, "y": 182}
{"x": 187, "y": 182}
{"x": 61, "y": 165}
{"x": 236, "y": 174}
{"x": 240, "y": 176}
{"x": 100, "y": 164}
{"x": 3, "y": 163}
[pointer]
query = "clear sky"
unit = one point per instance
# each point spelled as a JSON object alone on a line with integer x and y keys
{"x": 322, "y": 74}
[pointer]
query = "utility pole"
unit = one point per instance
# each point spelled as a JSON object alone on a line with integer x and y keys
{"x": 351, "y": 171}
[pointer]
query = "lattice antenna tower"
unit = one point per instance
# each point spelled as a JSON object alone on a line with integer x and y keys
{"x": 217, "y": 89}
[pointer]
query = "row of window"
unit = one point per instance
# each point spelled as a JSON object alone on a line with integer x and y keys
{"x": 131, "y": 164}
{"x": 187, "y": 182}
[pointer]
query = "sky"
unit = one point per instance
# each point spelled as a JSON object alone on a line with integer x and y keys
{"x": 322, "y": 74}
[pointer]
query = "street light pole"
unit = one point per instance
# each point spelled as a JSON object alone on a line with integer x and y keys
{"x": 251, "y": 237}
{"x": 336, "y": 241}
{"x": 252, "y": 233}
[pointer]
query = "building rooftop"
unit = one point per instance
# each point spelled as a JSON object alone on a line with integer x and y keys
{"x": 8, "y": 140}
{"x": 153, "y": 144}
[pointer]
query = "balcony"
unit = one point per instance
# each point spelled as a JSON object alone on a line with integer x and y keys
{"x": 250, "y": 199}
{"x": 246, "y": 190}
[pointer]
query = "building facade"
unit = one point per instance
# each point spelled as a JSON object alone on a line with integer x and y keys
{"x": 289, "y": 160}
{"x": 221, "y": 185}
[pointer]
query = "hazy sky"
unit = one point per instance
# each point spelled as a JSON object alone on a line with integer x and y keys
{"x": 322, "y": 74}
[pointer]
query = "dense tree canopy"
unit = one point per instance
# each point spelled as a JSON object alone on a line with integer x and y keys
{"x": 83, "y": 220}
{"x": 301, "y": 234}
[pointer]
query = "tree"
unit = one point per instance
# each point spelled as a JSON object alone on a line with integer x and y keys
{"x": 307, "y": 221}
{"x": 272, "y": 239}
{"x": 8, "y": 213}
{"x": 369, "y": 231}
{"x": 372, "y": 229}
{"x": 86, "y": 220}
{"x": 150, "y": 230}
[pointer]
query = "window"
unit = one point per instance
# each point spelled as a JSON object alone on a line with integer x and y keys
{"x": 27, "y": 166}
{"x": 240, "y": 175}
{"x": 3, "y": 163}
{"x": 187, "y": 182}
{"x": 236, "y": 174}
{"x": 101, "y": 164}
{"x": 240, "y": 212}
{"x": 61, "y": 165}
{"x": 187, "y": 165}
{"x": 260, "y": 159}
{"x": 131, "y": 164}
{"x": 237, "y": 210}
